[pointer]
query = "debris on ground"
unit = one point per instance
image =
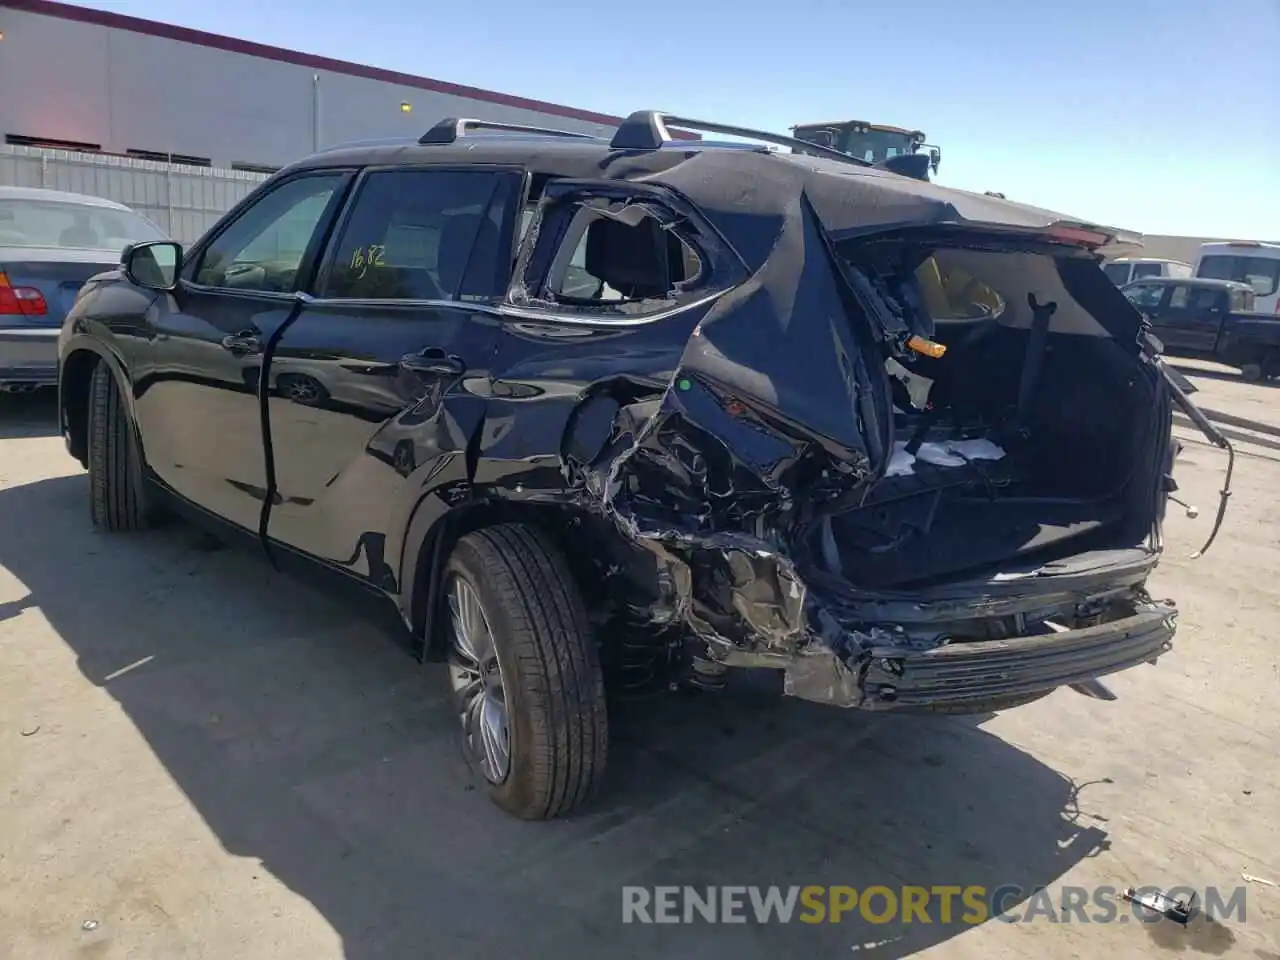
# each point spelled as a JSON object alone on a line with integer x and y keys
{"x": 1157, "y": 902}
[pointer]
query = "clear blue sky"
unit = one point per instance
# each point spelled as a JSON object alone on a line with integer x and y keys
{"x": 1157, "y": 115}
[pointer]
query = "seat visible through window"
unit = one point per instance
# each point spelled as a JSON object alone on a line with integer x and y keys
{"x": 605, "y": 260}
{"x": 424, "y": 235}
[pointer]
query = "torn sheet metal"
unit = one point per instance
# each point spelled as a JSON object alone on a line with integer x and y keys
{"x": 720, "y": 454}
{"x": 771, "y": 417}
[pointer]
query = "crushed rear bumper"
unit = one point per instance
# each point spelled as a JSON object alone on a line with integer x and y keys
{"x": 987, "y": 644}
{"x": 957, "y": 674}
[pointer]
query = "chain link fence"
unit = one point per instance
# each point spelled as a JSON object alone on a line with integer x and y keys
{"x": 182, "y": 200}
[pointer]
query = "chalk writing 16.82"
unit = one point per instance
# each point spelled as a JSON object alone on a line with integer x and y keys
{"x": 362, "y": 258}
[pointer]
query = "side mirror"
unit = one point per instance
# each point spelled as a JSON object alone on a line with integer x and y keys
{"x": 153, "y": 265}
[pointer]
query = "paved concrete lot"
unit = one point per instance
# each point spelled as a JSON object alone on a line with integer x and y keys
{"x": 200, "y": 758}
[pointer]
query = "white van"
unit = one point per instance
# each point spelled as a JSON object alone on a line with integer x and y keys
{"x": 1122, "y": 270}
{"x": 1245, "y": 261}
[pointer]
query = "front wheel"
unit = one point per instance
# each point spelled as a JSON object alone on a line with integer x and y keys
{"x": 525, "y": 672}
{"x": 118, "y": 497}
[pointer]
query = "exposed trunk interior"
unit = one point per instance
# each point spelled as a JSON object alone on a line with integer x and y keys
{"x": 1032, "y": 444}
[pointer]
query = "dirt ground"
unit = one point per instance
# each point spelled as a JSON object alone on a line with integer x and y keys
{"x": 201, "y": 758}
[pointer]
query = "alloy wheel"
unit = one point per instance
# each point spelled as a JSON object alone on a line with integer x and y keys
{"x": 302, "y": 390}
{"x": 476, "y": 677}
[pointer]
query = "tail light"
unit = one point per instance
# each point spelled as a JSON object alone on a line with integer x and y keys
{"x": 21, "y": 301}
{"x": 1078, "y": 234}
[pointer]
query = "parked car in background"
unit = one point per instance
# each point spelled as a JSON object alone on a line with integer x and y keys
{"x": 1245, "y": 261}
{"x": 1211, "y": 320}
{"x": 51, "y": 243}
{"x": 696, "y": 417}
{"x": 1123, "y": 270}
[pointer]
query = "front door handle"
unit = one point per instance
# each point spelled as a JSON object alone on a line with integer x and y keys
{"x": 434, "y": 360}
{"x": 242, "y": 343}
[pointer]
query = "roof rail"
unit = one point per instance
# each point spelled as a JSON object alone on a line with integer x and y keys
{"x": 647, "y": 130}
{"x": 455, "y": 128}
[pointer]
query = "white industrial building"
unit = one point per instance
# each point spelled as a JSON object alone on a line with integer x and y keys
{"x": 88, "y": 80}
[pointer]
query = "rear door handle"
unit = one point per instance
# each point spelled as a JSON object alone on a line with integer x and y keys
{"x": 433, "y": 360}
{"x": 242, "y": 343}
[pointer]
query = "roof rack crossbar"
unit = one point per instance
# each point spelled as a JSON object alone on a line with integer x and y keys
{"x": 455, "y": 128}
{"x": 648, "y": 130}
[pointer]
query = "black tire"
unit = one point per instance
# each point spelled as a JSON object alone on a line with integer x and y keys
{"x": 118, "y": 498}
{"x": 554, "y": 688}
{"x": 1251, "y": 372}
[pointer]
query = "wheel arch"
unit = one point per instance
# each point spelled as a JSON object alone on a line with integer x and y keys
{"x": 429, "y": 543}
{"x": 75, "y": 371}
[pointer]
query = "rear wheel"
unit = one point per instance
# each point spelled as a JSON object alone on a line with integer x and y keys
{"x": 525, "y": 672}
{"x": 1251, "y": 372}
{"x": 118, "y": 498}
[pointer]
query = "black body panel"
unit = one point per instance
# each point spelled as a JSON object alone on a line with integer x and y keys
{"x": 683, "y": 441}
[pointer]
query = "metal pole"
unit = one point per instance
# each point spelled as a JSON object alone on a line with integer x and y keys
{"x": 315, "y": 112}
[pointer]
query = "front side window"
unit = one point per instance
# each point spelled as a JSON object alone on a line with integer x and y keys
{"x": 425, "y": 235}
{"x": 1145, "y": 296}
{"x": 1260, "y": 273}
{"x": 67, "y": 225}
{"x": 1117, "y": 273}
{"x": 1179, "y": 297}
{"x": 263, "y": 248}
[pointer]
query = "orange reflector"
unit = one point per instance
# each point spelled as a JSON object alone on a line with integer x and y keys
{"x": 927, "y": 347}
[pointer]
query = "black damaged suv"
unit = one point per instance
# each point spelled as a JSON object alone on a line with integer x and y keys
{"x": 666, "y": 405}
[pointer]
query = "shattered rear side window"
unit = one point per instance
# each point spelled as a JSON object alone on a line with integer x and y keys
{"x": 618, "y": 260}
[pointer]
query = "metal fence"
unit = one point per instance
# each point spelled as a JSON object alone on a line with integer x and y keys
{"x": 183, "y": 200}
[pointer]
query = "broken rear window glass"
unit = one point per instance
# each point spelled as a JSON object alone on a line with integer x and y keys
{"x": 608, "y": 262}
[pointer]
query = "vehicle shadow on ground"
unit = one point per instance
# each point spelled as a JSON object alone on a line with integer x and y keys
{"x": 28, "y": 414}
{"x": 309, "y": 740}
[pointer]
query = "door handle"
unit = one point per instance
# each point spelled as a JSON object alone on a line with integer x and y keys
{"x": 433, "y": 360}
{"x": 241, "y": 343}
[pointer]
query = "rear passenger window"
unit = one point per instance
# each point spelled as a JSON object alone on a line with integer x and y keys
{"x": 425, "y": 235}
{"x": 1204, "y": 299}
{"x": 608, "y": 259}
